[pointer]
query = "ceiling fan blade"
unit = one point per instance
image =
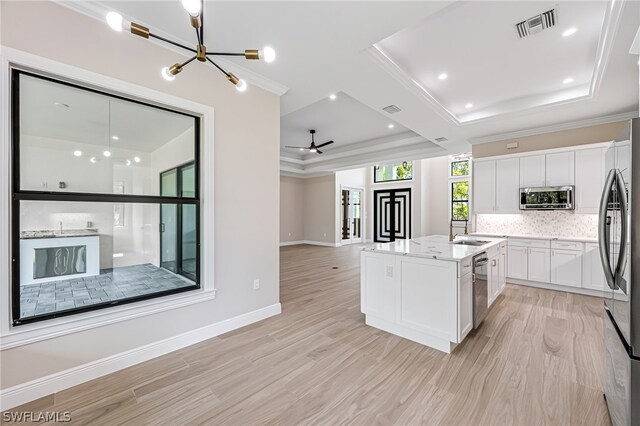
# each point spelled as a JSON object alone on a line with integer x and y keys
{"x": 324, "y": 144}
{"x": 297, "y": 147}
{"x": 318, "y": 151}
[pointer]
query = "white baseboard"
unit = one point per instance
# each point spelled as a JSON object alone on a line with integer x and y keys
{"x": 291, "y": 243}
{"x": 548, "y": 286}
{"x": 321, "y": 243}
{"x": 26, "y": 392}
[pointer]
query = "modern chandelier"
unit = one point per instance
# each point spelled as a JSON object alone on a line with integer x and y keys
{"x": 195, "y": 9}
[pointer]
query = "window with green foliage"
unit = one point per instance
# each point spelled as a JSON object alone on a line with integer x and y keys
{"x": 460, "y": 200}
{"x": 460, "y": 168}
{"x": 392, "y": 172}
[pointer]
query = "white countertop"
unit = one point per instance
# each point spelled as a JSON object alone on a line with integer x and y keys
{"x": 434, "y": 247}
{"x": 538, "y": 237}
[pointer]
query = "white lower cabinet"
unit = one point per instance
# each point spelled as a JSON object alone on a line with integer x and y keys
{"x": 380, "y": 296}
{"x": 592, "y": 272}
{"x": 517, "y": 262}
{"x": 566, "y": 267}
{"x": 465, "y": 306}
{"x": 539, "y": 266}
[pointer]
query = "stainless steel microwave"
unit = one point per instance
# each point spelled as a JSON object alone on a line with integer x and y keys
{"x": 547, "y": 198}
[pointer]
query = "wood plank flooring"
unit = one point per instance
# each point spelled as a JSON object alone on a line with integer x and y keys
{"x": 538, "y": 359}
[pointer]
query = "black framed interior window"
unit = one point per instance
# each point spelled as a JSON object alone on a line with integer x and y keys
{"x": 460, "y": 201}
{"x": 105, "y": 199}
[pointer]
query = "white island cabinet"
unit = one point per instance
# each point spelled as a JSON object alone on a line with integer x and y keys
{"x": 421, "y": 289}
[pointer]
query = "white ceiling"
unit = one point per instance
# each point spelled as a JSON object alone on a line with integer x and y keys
{"x": 343, "y": 120}
{"x": 489, "y": 66}
{"x": 86, "y": 119}
{"x": 327, "y": 47}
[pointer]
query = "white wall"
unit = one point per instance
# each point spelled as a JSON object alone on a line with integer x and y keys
{"x": 292, "y": 202}
{"x": 435, "y": 196}
{"x": 246, "y": 204}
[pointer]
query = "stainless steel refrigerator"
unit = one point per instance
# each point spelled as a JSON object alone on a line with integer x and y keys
{"x": 619, "y": 238}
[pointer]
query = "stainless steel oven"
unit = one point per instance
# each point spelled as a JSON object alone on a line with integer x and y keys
{"x": 547, "y": 198}
{"x": 480, "y": 291}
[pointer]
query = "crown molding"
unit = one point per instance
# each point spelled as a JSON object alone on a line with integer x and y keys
{"x": 554, "y": 128}
{"x": 605, "y": 43}
{"x": 97, "y": 11}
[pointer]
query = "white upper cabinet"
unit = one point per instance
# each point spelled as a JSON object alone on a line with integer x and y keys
{"x": 484, "y": 186}
{"x": 532, "y": 171}
{"x": 589, "y": 179}
{"x": 507, "y": 185}
{"x": 555, "y": 169}
{"x": 560, "y": 169}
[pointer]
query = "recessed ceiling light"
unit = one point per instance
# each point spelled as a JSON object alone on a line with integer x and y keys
{"x": 567, "y": 80}
{"x": 60, "y": 104}
{"x": 107, "y": 153}
{"x": 391, "y": 126}
{"x": 136, "y": 159}
{"x": 77, "y": 153}
{"x": 93, "y": 159}
{"x": 301, "y": 149}
{"x": 115, "y": 138}
{"x": 128, "y": 162}
{"x": 569, "y": 32}
{"x": 443, "y": 76}
{"x": 469, "y": 105}
{"x": 333, "y": 96}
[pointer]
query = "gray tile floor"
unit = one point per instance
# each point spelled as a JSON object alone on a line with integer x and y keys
{"x": 116, "y": 284}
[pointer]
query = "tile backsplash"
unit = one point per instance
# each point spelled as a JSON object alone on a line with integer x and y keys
{"x": 556, "y": 223}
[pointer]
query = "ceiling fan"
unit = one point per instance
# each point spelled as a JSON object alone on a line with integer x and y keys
{"x": 313, "y": 147}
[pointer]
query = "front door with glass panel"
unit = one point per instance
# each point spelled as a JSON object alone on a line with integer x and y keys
{"x": 178, "y": 223}
{"x": 351, "y": 215}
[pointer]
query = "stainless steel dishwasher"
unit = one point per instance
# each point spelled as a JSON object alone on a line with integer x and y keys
{"x": 480, "y": 295}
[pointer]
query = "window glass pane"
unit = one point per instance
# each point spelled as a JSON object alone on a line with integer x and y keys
{"x": 460, "y": 210}
{"x": 188, "y": 181}
{"x": 392, "y": 172}
{"x": 73, "y": 257}
{"x": 460, "y": 191}
{"x": 75, "y": 140}
{"x": 460, "y": 168}
{"x": 169, "y": 183}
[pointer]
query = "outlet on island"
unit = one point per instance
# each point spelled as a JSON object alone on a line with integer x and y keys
{"x": 256, "y": 284}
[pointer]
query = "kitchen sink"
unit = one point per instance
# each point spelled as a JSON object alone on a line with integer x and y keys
{"x": 470, "y": 242}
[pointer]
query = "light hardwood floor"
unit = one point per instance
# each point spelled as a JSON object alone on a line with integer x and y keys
{"x": 538, "y": 359}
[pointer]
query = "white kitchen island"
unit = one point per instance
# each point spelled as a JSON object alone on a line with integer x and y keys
{"x": 421, "y": 289}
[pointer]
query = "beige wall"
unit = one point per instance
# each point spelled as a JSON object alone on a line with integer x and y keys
{"x": 292, "y": 202}
{"x": 246, "y": 205}
{"x": 583, "y": 135}
{"x": 320, "y": 209}
{"x": 435, "y": 196}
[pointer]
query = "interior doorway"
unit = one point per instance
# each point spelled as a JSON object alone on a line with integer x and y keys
{"x": 178, "y": 225}
{"x": 391, "y": 214}
{"x": 351, "y": 215}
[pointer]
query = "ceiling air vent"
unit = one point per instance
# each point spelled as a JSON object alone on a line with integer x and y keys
{"x": 391, "y": 109}
{"x": 536, "y": 23}
{"x": 441, "y": 139}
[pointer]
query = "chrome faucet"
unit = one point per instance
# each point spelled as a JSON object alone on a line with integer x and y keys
{"x": 451, "y": 235}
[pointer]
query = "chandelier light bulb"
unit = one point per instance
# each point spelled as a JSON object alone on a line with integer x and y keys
{"x": 241, "y": 86}
{"x": 192, "y": 7}
{"x": 115, "y": 21}
{"x": 268, "y": 54}
{"x": 166, "y": 74}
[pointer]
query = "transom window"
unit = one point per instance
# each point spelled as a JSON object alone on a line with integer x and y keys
{"x": 393, "y": 172}
{"x": 105, "y": 200}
